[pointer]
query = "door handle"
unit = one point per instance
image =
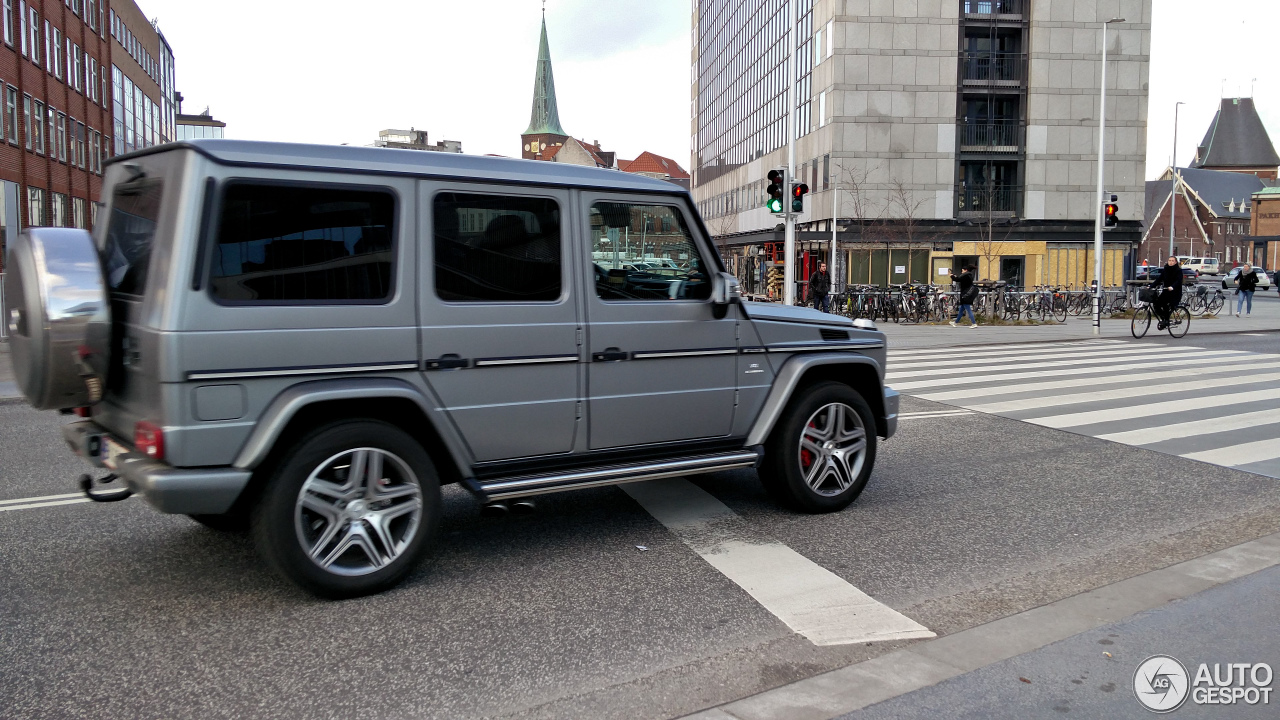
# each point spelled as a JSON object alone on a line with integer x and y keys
{"x": 612, "y": 354}
{"x": 448, "y": 362}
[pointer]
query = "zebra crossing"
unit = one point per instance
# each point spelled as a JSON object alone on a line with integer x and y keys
{"x": 1212, "y": 405}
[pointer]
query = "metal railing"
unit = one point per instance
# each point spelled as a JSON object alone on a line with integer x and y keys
{"x": 995, "y": 7}
{"x": 1001, "y": 201}
{"x": 991, "y": 136}
{"x": 993, "y": 69}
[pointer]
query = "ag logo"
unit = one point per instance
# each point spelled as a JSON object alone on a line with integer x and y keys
{"x": 1160, "y": 683}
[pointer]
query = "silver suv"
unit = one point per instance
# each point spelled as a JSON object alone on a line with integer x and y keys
{"x": 308, "y": 341}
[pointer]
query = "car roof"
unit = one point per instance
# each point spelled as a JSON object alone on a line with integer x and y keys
{"x": 389, "y": 161}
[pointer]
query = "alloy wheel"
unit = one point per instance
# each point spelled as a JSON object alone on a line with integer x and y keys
{"x": 832, "y": 449}
{"x": 358, "y": 511}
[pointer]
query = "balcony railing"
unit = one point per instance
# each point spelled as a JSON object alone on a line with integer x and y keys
{"x": 993, "y": 69}
{"x": 995, "y": 7}
{"x": 992, "y": 136}
{"x": 992, "y": 201}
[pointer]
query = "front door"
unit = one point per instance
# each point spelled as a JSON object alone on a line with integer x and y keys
{"x": 663, "y": 367}
{"x": 499, "y": 318}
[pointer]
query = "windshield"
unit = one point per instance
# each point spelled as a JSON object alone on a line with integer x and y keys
{"x": 126, "y": 253}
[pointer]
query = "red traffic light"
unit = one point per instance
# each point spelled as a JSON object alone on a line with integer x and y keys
{"x": 1111, "y": 209}
{"x": 798, "y": 191}
{"x": 1109, "y": 214}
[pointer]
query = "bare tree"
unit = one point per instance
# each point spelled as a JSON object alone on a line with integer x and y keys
{"x": 906, "y": 226}
{"x": 866, "y": 215}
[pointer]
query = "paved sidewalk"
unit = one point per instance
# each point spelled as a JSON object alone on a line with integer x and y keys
{"x": 8, "y": 389}
{"x": 1266, "y": 317}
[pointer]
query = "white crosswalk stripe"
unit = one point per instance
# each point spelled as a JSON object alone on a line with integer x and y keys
{"x": 1215, "y": 406}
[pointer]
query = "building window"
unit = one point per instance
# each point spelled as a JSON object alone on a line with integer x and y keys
{"x": 79, "y": 152}
{"x": 26, "y": 121}
{"x": 58, "y": 210}
{"x": 33, "y": 34}
{"x": 304, "y": 245}
{"x": 6, "y": 7}
{"x": 35, "y": 207}
{"x": 822, "y": 108}
{"x": 79, "y": 214}
{"x": 75, "y": 67}
{"x": 62, "y": 137}
{"x": 826, "y": 171}
{"x": 50, "y": 49}
{"x": 37, "y": 125}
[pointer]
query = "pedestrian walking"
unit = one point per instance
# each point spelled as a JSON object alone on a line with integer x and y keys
{"x": 968, "y": 293}
{"x": 1170, "y": 278}
{"x": 820, "y": 288}
{"x": 1246, "y": 284}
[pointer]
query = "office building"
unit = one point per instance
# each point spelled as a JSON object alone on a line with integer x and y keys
{"x": 952, "y": 132}
{"x": 80, "y": 81}
{"x": 193, "y": 127}
{"x": 412, "y": 139}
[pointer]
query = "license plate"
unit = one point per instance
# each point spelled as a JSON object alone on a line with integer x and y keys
{"x": 111, "y": 451}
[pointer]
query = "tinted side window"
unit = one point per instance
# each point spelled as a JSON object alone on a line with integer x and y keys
{"x": 645, "y": 252}
{"x": 130, "y": 232}
{"x": 494, "y": 248}
{"x": 303, "y": 245}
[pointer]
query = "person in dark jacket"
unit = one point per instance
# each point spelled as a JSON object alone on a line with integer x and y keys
{"x": 1170, "y": 278}
{"x": 820, "y": 288}
{"x": 1248, "y": 282}
{"x": 968, "y": 293}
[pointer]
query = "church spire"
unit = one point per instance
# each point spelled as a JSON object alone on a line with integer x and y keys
{"x": 545, "y": 119}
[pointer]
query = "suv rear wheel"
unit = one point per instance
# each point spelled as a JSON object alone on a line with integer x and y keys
{"x": 820, "y": 454}
{"x": 349, "y": 509}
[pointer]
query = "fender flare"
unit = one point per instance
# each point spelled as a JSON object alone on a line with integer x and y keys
{"x": 789, "y": 376}
{"x": 294, "y": 399}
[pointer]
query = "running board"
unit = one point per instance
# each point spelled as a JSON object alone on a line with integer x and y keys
{"x": 525, "y": 485}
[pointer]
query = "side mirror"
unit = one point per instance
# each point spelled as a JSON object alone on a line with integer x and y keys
{"x": 725, "y": 291}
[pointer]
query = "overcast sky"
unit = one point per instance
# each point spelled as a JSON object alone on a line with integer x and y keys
{"x": 464, "y": 70}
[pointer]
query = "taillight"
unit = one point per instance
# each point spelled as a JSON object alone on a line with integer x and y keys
{"x": 148, "y": 438}
{"x": 83, "y": 412}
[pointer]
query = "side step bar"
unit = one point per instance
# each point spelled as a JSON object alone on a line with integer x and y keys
{"x": 525, "y": 485}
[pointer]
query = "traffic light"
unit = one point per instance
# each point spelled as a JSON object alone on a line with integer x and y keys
{"x": 774, "y": 192}
{"x": 798, "y": 191}
{"x": 1109, "y": 218}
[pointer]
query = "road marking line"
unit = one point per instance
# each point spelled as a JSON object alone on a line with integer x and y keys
{"x": 1084, "y": 356}
{"x": 810, "y": 599}
{"x": 1037, "y": 403}
{"x": 933, "y": 414}
{"x": 16, "y": 501}
{"x": 1147, "y": 436}
{"x": 44, "y": 504}
{"x": 1011, "y": 348}
{"x": 1247, "y": 364}
{"x": 1061, "y": 372}
{"x": 1151, "y": 409}
{"x": 1242, "y": 454}
{"x": 1099, "y": 362}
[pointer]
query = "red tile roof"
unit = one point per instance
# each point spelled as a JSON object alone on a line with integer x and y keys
{"x": 648, "y": 162}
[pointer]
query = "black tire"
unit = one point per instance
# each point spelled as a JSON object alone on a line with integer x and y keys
{"x": 1179, "y": 321}
{"x": 1141, "y": 322}
{"x": 280, "y": 520}
{"x": 781, "y": 472}
{"x": 230, "y": 522}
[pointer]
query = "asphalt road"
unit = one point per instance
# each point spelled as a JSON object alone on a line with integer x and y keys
{"x": 111, "y": 611}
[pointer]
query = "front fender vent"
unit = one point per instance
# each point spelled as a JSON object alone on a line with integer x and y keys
{"x": 829, "y": 334}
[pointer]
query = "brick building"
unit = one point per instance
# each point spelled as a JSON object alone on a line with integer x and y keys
{"x": 1237, "y": 141}
{"x": 1212, "y": 219}
{"x": 80, "y": 80}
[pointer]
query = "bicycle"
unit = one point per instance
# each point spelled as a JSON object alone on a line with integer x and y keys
{"x": 1179, "y": 318}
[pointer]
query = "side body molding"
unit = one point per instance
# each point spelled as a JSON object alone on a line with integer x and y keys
{"x": 295, "y": 399}
{"x": 788, "y": 378}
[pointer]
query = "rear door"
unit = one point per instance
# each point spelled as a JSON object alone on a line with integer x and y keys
{"x": 662, "y": 366}
{"x": 500, "y": 326}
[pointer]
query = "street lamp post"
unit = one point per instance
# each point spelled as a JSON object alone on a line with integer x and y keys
{"x": 1173, "y": 192}
{"x": 789, "y": 236}
{"x": 1097, "y": 210}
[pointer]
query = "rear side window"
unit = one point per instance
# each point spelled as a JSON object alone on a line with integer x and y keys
{"x": 303, "y": 245}
{"x": 131, "y": 230}
{"x": 496, "y": 248}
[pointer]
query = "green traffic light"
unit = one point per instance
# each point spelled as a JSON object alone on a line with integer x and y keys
{"x": 774, "y": 205}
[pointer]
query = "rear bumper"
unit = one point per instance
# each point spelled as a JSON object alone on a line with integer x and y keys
{"x": 891, "y": 398}
{"x": 192, "y": 491}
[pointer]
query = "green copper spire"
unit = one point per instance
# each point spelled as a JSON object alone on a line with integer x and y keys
{"x": 545, "y": 118}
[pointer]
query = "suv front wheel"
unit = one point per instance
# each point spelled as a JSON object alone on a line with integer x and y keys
{"x": 820, "y": 454}
{"x": 349, "y": 509}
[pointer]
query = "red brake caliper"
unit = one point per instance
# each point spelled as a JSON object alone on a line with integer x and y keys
{"x": 806, "y": 457}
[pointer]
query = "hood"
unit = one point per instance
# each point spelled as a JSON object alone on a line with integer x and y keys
{"x": 778, "y": 312}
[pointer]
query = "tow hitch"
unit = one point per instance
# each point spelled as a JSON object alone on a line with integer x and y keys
{"x": 86, "y": 486}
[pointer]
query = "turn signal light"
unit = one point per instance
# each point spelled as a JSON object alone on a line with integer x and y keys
{"x": 148, "y": 438}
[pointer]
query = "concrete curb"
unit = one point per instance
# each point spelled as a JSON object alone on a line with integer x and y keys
{"x": 1015, "y": 341}
{"x": 928, "y": 663}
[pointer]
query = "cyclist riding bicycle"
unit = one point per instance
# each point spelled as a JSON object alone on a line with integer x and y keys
{"x": 1169, "y": 278}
